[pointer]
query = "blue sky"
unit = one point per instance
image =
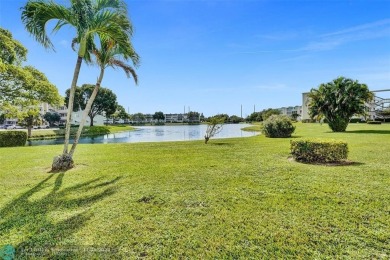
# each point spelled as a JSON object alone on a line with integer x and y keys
{"x": 214, "y": 56}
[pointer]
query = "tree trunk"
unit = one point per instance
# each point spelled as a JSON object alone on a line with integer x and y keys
{"x": 29, "y": 121}
{"x": 91, "y": 120}
{"x": 70, "y": 104}
{"x": 86, "y": 112}
{"x": 29, "y": 131}
{"x": 65, "y": 162}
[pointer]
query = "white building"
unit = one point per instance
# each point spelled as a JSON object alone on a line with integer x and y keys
{"x": 291, "y": 110}
{"x": 175, "y": 118}
{"x": 305, "y": 106}
{"x": 98, "y": 120}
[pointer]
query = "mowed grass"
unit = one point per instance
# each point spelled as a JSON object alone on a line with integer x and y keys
{"x": 232, "y": 198}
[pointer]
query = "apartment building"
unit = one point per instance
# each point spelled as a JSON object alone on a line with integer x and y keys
{"x": 289, "y": 111}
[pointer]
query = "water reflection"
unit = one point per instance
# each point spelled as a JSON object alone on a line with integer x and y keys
{"x": 156, "y": 134}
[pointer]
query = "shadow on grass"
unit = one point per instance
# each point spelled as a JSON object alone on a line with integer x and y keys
{"x": 341, "y": 163}
{"x": 220, "y": 143}
{"x": 384, "y": 132}
{"x": 46, "y": 216}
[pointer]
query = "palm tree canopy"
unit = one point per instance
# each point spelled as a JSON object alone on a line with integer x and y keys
{"x": 90, "y": 18}
{"x": 112, "y": 55}
{"x": 342, "y": 97}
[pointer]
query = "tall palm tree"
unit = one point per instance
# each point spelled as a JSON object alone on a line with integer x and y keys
{"x": 109, "y": 55}
{"x": 90, "y": 18}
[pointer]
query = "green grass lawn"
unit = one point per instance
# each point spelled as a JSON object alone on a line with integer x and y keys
{"x": 232, "y": 198}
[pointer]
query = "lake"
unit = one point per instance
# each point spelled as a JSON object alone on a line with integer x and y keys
{"x": 157, "y": 134}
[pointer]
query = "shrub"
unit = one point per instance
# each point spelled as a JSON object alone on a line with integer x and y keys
{"x": 96, "y": 130}
{"x": 316, "y": 150}
{"x": 374, "y": 122}
{"x": 278, "y": 126}
{"x": 13, "y": 138}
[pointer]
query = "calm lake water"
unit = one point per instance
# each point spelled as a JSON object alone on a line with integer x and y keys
{"x": 157, "y": 134}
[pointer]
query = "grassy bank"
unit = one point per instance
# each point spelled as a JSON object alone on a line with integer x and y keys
{"x": 232, "y": 198}
{"x": 87, "y": 131}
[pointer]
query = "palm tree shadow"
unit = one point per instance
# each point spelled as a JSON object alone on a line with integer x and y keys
{"x": 32, "y": 215}
{"x": 221, "y": 143}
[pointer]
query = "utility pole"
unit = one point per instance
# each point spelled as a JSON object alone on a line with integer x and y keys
{"x": 241, "y": 110}
{"x": 254, "y": 108}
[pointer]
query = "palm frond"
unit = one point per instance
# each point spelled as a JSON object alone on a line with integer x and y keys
{"x": 36, "y": 14}
{"x": 126, "y": 68}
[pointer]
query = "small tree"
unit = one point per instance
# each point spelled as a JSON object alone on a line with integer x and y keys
{"x": 105, "y": 101}
{"x": 193, "y": 116}
{"x": 52, "y": 117}
{"x": 338, "y": 101}
{"x": 214, "y": 126}
{"x": 225, "y": 117}
{"x": 138, "y": 117}
{"x": 235, "y": 119}
{"x": 255, "y": 117}
{"x": 22, "y": 88}
{"x": 158, "y": 116}
{"x": 121, "y": 113}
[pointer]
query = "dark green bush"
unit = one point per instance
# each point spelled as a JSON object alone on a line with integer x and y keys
{"x": 374, "y": 122}
{"x": 278, "y": 126}
{"x": 12, "y": 138}
{"x": 321, "y": 151}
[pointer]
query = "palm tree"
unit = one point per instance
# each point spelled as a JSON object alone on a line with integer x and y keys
{"x": 109, "y": 55}
{"x": 338, "y": 101}
{"x": 90, "y": 18}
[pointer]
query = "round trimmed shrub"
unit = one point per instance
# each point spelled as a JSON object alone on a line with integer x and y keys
{"x": 278, "y": 126}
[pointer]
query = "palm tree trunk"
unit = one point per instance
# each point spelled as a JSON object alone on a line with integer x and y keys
{"x": 86, "y": 111}
{"x": 70, "y": 104}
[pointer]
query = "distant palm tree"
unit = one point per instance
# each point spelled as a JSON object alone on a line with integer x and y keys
{"x": 105, "y": 19}
{"x": 109, "y": 55}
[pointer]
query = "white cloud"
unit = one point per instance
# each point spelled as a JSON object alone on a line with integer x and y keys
{"x": 362, "y": 32}
{"x": 360, "y": 28}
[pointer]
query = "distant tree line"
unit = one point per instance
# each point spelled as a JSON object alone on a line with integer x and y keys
{"x": 262, "y": 115}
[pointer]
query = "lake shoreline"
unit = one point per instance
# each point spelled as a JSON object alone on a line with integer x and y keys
{"x": 155, "y": 133}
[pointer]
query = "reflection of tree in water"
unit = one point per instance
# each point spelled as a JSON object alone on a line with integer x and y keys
{"x": 42, "y": 232}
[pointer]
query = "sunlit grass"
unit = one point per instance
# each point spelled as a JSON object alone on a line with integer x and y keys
{"x": 231, "y": 198}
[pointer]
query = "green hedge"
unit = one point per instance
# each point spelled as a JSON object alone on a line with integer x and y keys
{"x": 12, "y": 138}
{"x": 321, "y": 151}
